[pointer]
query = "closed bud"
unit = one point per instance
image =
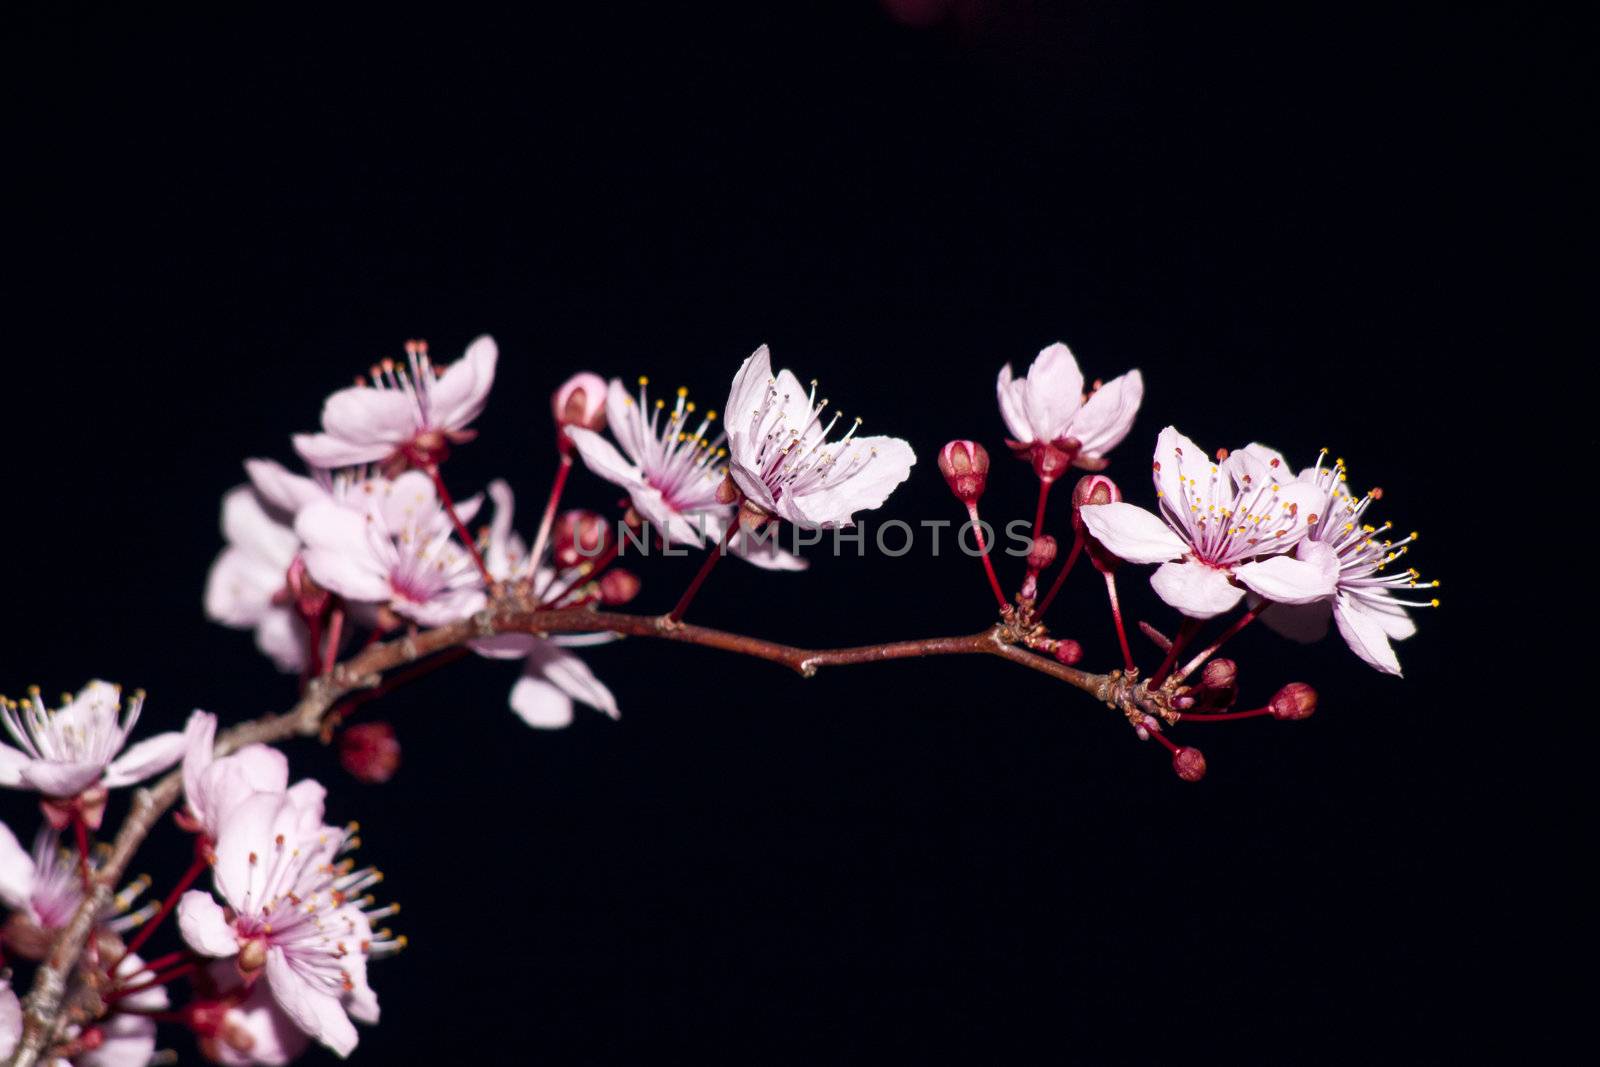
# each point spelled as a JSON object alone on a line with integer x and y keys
{"x": 1295, "y": 701}
{"x": 1189, "y": 764}
{"x": 579, "y": 536}
{"x": 728, "y": 490}
{"x": 370, "y": 752}
{"x": 581, "y": 401}
{"x": 1041, "y": 553}
{"x": 1068, "y": 651}
{"x": 618, "y": 586}
{"x": 1218, "y": 685}
{"x": 965, "y": 466}
{"x": 1093, "y": 489}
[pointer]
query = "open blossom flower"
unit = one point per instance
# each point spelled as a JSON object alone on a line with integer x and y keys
{"x": 43, "y": 889}
{"x": 409, "y": 416}
{"x": 398, "y": 554}
{"x": 781, "y": 459}
{"x": 1229, "y": 523}
{"x": 553, "y": 678}
{"x": 258, "y": 582}
{"x": 79, "y": 746}
{"x": 1363, "y": 603}
{"x": 212, "y": 786}
{"x": 293, "y": 917}
{"x": 1049, "y": 408}
{"x": 672, "y": 473}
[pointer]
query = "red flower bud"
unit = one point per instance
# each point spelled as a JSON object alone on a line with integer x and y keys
{"x": 965, "y": 466}
{"x": 1218, "y": 686}
{"x": 1189, "y": 764}
{"x": 1094, "y": 489}
{"x": 1068, "y": 651}
{"x": 580, "y": 536}
{"x": 581, "y": 401}
{"x": 1041, "y": 553}
{"x": 370, "y": 752}
{"x": 1295, "y": 701}
{"x": 618, "y": 586}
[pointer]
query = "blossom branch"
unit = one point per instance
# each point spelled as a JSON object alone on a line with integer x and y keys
{"x": 49, "y": 1006}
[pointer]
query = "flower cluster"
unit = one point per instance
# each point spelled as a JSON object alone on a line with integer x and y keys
{"x": 366, "y": 561}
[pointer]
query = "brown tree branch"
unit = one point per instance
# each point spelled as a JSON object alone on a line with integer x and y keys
{"x": 53, "y": 1001}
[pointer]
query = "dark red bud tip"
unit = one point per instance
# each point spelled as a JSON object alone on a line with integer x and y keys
{"x": 1189, "y": 764}
{"x": 1095, "y": 489}
{"x": 580, "y": 536}
{"x": 965, "y": 466}
{"x": 370, "y": 752}
{"x": 581, "y": 401}
{"x": 1220, "y": 674}
{"x": 1068, "y": 651}
{"x": 618, "y": 586}
{"x": 1295, "y": 701}
{"x": 1042, "y": 553}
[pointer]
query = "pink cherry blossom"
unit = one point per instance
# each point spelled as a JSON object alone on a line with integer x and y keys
{"x": 44, "y": 888}
{"x": 399, "y": 553}
{"x": 292, "y": 918}
{"x": 672, "y": 473}
{"x": 410, "y": 415}
{"x": 1049, "y": 407}
{"x": 783, "y": 462}
{"x": 1366, "y": 604}
{"x": 553, "y": 678}
{"x": 212, "y": 786}
{"x": 244, "y": 1026}
{"x": 79, "y": 745}
{"x": 1229, "y": 523}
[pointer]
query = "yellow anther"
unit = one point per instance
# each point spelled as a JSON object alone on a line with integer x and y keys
{"x": 682, "y": 391}
{"x": 643, "y": 380}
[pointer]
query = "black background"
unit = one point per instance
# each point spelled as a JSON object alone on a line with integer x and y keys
{"x": 1326, "y": 227}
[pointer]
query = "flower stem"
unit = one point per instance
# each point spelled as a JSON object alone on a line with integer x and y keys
{"x": 171, "y": 975}
{"x": 988, "y": 564}
{"x": 676, "y": 614}
{"x": 1186, "y": 631}
{"x": 335, "y": 632}
{"x": 1038, "y": 515}
{"x": 1116, "y": 615}
{"x": 548, "y": 519}
{"x": 455, "y": 520}
{"x": 80, "y": 830}
{"x": 167, "y": 905}
{"x": 1061, "y": 576}
{"x": 1238, "y": 624}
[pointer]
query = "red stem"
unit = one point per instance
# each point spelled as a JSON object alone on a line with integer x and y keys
{"x": 155, "y": 965}
{"x": 161, "y": 979}
{"x": 1186, "y": 631}
{"x": 548, "y": 519}
{"x": 455, "y": 520}
{"x": 1038, "y": 515}
{"x": 335, "y": 632}
{"x": 676, "y": 614}
{"x": 1116, "y": 615}
{"x": 80, "y": 830}
{"x": 1238, "y": 624}
{"x": 1159, "y": 736}
{"x": 158, "y": 1015}
{"x": 1061, "y": 576}
{"x": 601, "y": 562}
{"x": 167, "y": 905}
{"x": 988, "y": 564}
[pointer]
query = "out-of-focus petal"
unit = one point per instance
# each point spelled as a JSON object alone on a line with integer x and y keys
{"x": 149, "y": 757}
{"x": 205, "y": 927}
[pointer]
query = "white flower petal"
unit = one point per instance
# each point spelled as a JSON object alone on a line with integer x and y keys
{"x": 1055, "y": 391}
{"x": 602, "y": 457}
{"x": 1364, "y": 635}
{"x": 205, "y": 927}
{"x": 1131, "y": 533}
{"x": 1107, "y": 416}
{"x": 16, "y": 870}
{"x": 1195, "y": 589}
{"x": 1291, "y": 580}
{"x": 149, "y": 757}
{"x": 460, "y": 393}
